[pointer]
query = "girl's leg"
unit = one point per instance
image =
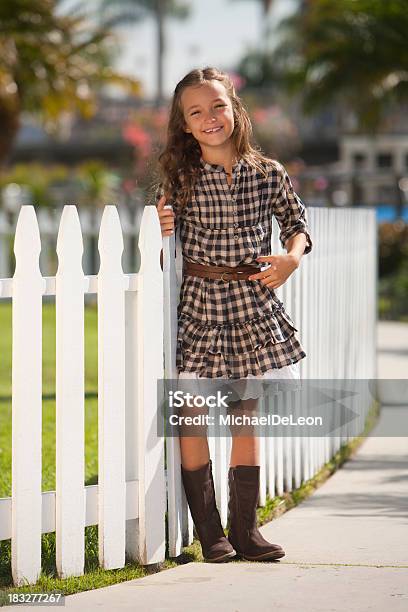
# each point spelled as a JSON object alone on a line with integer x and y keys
{"x": 196, "y": 472}
{"x": 194, "y": 452}
{"x": 194, "y": 443}
{"x": 193, "y": 439}
{"x": 243, "y": 484}
{"x": 245, "y": 446}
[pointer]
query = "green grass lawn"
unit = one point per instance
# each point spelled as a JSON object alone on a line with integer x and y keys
{"x": 48, "y": 414}
{"x": 94, "y": 577}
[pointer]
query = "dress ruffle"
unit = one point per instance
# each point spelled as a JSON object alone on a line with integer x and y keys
{"x": 237, "y": 350}
{"x": 230, "y": 339}
{"x": 256, "y": 363}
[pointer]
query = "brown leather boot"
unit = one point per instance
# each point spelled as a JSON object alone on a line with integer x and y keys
{"x": 243, "y": 481}
{"x": 200, "y": 493}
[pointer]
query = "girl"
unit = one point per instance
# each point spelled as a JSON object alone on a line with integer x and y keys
{"x": 230, "y": 322}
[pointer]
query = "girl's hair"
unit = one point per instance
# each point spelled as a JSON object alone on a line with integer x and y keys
{"x": 179, "y": 162}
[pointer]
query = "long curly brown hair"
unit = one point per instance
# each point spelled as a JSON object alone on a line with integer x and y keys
{"x": 179, "y": 162}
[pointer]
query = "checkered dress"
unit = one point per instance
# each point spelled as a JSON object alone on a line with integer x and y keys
{"x": 235, "y": 328}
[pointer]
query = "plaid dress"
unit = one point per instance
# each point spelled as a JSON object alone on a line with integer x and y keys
{"x": 235, "y": 328}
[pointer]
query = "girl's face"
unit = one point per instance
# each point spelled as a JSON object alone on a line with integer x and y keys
{"x": 208, "y": 114}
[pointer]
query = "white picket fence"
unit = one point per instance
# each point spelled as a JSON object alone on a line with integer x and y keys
{"x": 90, "y": 219}
{"x": 128, "y": 503}
{"x": 331, "y": 297}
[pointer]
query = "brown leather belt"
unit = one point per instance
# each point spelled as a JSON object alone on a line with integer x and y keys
{"x": 224, "y": 273}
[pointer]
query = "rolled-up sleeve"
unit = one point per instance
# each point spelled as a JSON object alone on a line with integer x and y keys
{"x": 290, "y": 212}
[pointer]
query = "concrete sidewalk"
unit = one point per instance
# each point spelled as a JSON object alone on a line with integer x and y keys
{"x": 358, "y": 519}
{"x": 346, "y": 545}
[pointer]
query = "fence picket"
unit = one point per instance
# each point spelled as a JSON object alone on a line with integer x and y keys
{"x": 28, "y": 286}
{"x": 152, "y": 501}
{"x": 173, "y": 471}
{"x": 111, "y": 393}
{"x": 70, "y": 493}
{"x": 262, "y": 452}
{"x": 187, "y": 521}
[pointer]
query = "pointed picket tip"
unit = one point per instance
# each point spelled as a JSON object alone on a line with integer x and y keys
{"x": 110, "y": 240}
{"x": 69, "y": 240}
{"x": 150, "y": 236}
{"x": 27, "y": 242}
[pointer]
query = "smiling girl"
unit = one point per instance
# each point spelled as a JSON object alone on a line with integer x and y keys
{"x": 224, "y": 193}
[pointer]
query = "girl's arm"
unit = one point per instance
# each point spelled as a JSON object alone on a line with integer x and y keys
{"x": 295, "y": 247}
{"x": 290, "y": 214}
{"x": 159, "y": 194}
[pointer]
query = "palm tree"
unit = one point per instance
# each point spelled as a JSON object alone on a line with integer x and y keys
{"x": 349, "y": 51}
{"x": 264, "y": 30}
{"x": 50, "y": 64}
{"x": 120, "y": 12}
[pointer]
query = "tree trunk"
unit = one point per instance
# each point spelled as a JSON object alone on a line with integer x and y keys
{"x": 160, "y": 50}
{"x": 10, "y": 123}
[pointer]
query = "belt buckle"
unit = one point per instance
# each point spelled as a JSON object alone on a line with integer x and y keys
{"x": 222, "y": 276}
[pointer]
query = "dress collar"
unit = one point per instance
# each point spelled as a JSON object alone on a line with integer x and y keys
{"x": 218, "y": 168}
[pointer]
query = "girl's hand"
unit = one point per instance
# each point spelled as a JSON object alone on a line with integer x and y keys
{"x": 166, "y": 217}
{"x": 281, "y": 268}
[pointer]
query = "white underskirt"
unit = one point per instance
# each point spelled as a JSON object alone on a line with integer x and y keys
{"x": 250, "y": 387}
